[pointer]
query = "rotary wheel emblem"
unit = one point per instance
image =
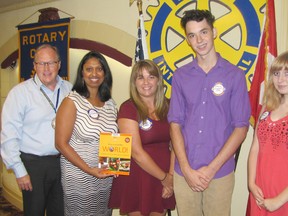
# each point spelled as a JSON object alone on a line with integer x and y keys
{"x": 238, "y": 25}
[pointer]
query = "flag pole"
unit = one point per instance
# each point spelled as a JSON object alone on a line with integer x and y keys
{"x": 139, "y": 5}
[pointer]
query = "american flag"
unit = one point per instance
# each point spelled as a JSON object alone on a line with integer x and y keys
{"x": 141, "y": 46}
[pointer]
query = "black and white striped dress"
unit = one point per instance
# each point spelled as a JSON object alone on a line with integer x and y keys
{"x": 85, "y": 195}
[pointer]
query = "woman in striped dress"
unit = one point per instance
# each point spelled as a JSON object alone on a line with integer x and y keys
{"x": 83, "y": 114}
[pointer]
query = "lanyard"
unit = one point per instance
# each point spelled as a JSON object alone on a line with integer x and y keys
{"x": 48, "y": 99}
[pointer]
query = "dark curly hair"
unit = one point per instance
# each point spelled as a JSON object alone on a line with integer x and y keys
{"x": 198, "y": 16}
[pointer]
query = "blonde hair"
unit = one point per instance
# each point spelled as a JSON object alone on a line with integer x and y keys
{"x": 160, "y": 102}
{"x": 272, "y": 98}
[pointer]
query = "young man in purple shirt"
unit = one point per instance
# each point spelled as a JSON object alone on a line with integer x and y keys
{"x": 209, "y": 119}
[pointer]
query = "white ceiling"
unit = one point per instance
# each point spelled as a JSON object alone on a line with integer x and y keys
{"x": 9, "y": 5}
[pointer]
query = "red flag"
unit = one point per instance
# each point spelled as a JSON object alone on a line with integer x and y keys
{"x": 266, "y": 53}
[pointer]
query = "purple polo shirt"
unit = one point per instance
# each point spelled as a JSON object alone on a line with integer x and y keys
{"x": 208, "y": 107}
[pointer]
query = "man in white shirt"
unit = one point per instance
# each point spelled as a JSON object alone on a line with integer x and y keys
{"x": 27, "y": 136}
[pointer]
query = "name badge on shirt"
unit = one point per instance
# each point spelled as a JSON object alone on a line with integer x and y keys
{"x": 53, "y": 123}
{"x": 218, "y": 89}
{"x": 264, "y": 115}
{"x": 93, "y": 113}
{"x": 146, "y": 125}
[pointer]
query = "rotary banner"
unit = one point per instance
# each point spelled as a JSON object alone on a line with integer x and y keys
{"x": 56, "y": 33}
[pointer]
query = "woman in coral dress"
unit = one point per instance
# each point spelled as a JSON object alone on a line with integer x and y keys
{"x": 268, "y": 158}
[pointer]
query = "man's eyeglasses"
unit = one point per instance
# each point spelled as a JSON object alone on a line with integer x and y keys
{"x": 51, "y": 64}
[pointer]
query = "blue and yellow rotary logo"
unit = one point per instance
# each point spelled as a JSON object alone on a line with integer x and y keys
{"x": 238, "y": 24}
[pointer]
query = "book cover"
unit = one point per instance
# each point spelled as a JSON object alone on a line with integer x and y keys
{"x": 115, "y": 153}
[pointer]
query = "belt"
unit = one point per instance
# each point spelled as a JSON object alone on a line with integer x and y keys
{"x": 54, "y": 156}
{"x": 38, "y": 156}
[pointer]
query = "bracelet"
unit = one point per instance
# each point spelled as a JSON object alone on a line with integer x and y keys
{"x": 164, "y": 177}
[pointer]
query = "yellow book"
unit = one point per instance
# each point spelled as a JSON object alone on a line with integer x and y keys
{"x": 115, "y": 153}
